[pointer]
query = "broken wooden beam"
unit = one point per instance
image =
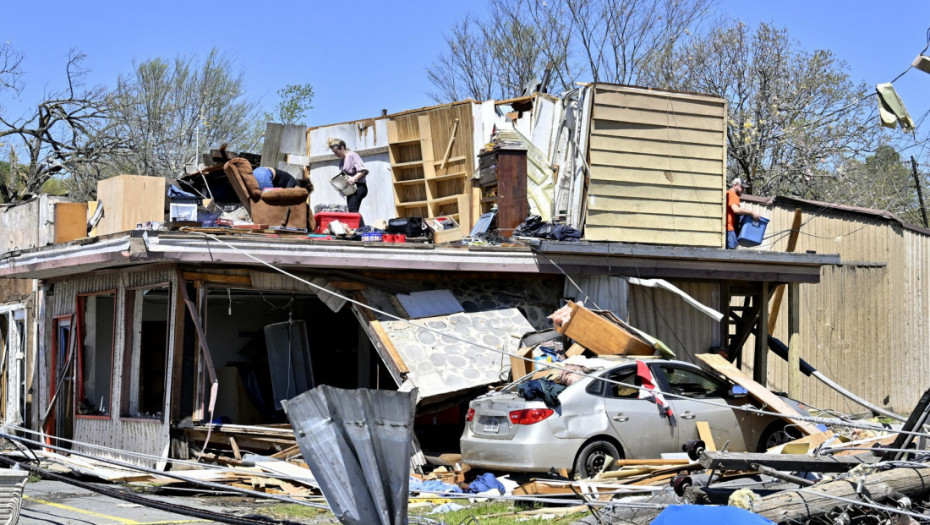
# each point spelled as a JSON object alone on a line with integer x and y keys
{"x": 783, "y": 462}
{"x": 757, "y": 391}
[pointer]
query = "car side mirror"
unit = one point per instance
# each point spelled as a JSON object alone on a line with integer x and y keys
{"x": 738, "y": 391}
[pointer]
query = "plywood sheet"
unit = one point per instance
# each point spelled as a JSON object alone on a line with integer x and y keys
{"x": 70, "y": 221}
{"x": 757, "y": 391}
{"x": 129, "y": 200}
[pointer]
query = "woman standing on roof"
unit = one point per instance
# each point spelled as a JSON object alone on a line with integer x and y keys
{"x": 352, "y": 165}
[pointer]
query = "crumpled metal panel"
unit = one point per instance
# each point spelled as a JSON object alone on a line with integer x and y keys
{"x": 358, "y": 445}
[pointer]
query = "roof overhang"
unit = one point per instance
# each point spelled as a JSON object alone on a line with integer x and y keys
{"x": 542, "y": 257}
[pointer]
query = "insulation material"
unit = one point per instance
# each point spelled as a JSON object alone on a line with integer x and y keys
{"x": 443, "y": 365}
{"x": 569, "y": 147}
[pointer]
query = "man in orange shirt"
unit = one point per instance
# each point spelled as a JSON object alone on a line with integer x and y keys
{"x": 734, "y": 209}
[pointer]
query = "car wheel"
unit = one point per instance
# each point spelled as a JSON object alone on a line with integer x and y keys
{"x": 591, "y": 458}
{"x": 777, "y": 433}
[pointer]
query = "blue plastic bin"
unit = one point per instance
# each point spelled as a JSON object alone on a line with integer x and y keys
{"x": 751, "y": 232}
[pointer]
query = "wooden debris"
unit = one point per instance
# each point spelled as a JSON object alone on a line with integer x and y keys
{"x": 757, "y": 391}
{"x": 785, "y": 462}
{"x": 706, "y": 436}
{"x": 597, "y": 333}
{"x": 573, "y": 488}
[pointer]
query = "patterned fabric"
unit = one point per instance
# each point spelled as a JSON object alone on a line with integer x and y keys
{"x": 651, "y": 391}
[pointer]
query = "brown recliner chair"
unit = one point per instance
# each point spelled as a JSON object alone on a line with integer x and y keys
{"x": 280, "y": 207}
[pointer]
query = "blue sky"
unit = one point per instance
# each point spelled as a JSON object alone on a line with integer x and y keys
{"x": 362, "y": 56}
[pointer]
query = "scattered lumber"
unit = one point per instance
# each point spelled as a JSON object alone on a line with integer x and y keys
{"x": 583, "y": 487}
{"x": 783, "y": 462}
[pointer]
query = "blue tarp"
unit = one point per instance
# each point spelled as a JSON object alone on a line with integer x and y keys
{"x": 708, "y": 515}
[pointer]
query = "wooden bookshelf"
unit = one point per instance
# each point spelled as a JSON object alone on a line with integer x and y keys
{"x": 430, "y": 165}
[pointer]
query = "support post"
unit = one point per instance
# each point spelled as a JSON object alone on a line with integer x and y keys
{"x": 794, "y": 341}
{"x": 760, "y": 359}
{"x": 780, "y": 290}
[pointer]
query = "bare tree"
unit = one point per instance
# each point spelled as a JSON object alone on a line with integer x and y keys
{"x": 599, "y": 40}
{"x": 466, "y": 69}
{"x": 166, "y": 109}
{"x": 10, "y": 70}
{"x": 794, "y": 116}
{"x": 68, "y": 135}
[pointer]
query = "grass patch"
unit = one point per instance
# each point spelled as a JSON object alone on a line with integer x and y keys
{"x": 293, "y": 511}
{"x": 497, "y": 513}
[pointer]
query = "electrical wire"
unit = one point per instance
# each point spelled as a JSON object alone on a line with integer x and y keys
{"x": 155, "y": 472}
{"x": 750, "y": 409}
{"x": 148, "y": 502}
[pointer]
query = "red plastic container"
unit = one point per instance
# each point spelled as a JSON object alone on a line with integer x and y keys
{"x": 325, "y": 217}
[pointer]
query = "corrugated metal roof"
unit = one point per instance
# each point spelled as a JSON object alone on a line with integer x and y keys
{"x": 871, "y": 212}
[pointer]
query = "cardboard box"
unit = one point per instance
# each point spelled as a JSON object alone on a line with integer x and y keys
{"x": 129, "y": 200}
{"x": 520, "y": 367}
{"x": 601, "y": 336}
{"x": 70, "y": 221}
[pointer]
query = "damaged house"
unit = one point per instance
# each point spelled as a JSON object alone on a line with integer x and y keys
{"x": 164, "y": 341}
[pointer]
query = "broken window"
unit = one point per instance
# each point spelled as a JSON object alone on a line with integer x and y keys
{"x": 97, "y": 315}
{"x": 147, "y": 326}
{"x": 691, "y": 383}
{"x": 629, "y": 388}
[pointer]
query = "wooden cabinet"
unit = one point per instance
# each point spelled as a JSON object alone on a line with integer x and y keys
{"x": 502, "y": 178}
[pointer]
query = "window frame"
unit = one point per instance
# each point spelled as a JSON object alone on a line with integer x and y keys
{"x": 128, "y": 349}
{"x": 666, "y": 385}
{"x": 58, "y": 322}
{"x": 603, "y": 388}
{"x": 81, "y": 300}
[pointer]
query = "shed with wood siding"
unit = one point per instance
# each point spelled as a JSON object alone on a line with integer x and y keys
{"x": 867, "y": 323}
{"x": 658, "y": 167}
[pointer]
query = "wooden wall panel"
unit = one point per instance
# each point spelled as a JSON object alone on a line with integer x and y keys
{"x": 658, "y": 165}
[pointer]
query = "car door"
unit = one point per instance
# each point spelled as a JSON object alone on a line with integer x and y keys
{"x": 639, "y": 425}
{"x": 705, "y": 399}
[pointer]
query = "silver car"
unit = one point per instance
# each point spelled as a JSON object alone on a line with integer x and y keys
{"x": 595, "y": 419}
